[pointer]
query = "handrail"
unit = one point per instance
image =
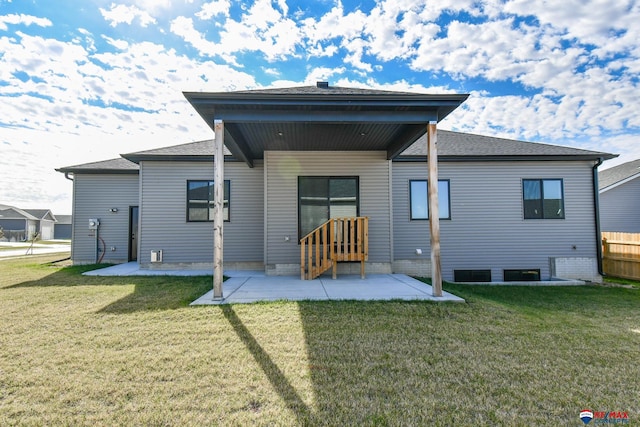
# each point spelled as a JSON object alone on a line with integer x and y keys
{"x": 336, "y": 240}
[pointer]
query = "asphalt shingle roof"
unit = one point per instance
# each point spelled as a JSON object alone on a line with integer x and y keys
{"x": 330, "y": 90}
{"x": 40, "y": 213}
{"x": 113, "y": 165}
{"x": 11, "y": 212}
{"x": 457, "y": 144}
{"x": 190, "y": 149}
{"x": 451, "y": 145}
{"x": 618, "y": 173}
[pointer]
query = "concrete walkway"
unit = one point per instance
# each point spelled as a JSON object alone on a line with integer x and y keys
{"x": 15, "y": 250}
{"x": 254, "y": 286}
{"x": 133, "y": 269}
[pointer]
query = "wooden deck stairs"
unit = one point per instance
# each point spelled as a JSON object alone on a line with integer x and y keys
{"x": 337, "y": 240}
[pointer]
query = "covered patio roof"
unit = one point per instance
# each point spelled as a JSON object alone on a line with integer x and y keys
{"x": 321, "y": 118}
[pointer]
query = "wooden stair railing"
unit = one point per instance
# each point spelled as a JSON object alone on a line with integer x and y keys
{"x": 337, "y": 240}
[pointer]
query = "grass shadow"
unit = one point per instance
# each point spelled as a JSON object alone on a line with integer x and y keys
{"x": 160, "y": 293}
{"x": 573, "y": 299}
{"x": 150, "y": 293}
{"x": 371, "y": 362}
{"x": 546, "y": 298}
{"x": 276, "y": 377}
{"x": 65, "y": 276}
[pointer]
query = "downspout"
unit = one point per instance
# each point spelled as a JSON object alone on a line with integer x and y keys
{"x": 596, "y": 205}
{"x": 66, "y": 175}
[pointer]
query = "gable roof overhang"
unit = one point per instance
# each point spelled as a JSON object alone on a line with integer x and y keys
{"x": 11, "y": 212}
{"x": 613, "y": 177}
{"x": 42, "y": 214}
{"x": 108, "y": 167}
{"x": 619, "y": 183}
{"x": 321, "y": 118}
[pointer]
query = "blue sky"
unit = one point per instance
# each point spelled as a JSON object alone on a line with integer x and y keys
{"x": 86, "y": 80}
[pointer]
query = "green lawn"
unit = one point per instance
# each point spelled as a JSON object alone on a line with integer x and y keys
{"x": 128, "y": 351}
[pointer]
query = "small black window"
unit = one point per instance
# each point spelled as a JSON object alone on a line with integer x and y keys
{"x": 471, "y": 275}
{"x": 419, "y": 199}
{"x": 543, "y": 198}
{"x": 200, "y": 201}
{"x": 531, "y": 275}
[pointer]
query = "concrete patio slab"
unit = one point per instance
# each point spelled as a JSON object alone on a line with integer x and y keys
{"x": 133, "y": 269}
{"x": 254, "y": 286}
{"x": 376, "y": 287}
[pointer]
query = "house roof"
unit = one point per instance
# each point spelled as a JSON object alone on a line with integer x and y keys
{"x": 42, "y": 214}
{"x": 117, "y": 166}
{"x": 457, "y": 146}
{"x": 618, "y": 174}
{"x": 321, "y": 117}
{"x": 11, "y": 212}
{"x": 195, "y": 151}
{"x": 64, "y": 219}
{"x": 452, "y": 146}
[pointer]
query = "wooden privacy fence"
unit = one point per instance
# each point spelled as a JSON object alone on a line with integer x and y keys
{"x": 621, "y": 254}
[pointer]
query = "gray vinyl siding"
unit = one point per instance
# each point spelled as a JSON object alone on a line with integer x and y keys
{"x": 282, "y": 170}
{"x": 93, "y": 196}
{"x": 487, "y": 229}
{"x": 620, "y": 208}
{"x": 163, "y": 211}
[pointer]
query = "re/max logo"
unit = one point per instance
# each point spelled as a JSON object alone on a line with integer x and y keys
{"x": 612, "y": 417}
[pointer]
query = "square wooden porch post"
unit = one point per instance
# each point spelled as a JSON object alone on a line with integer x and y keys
{"x": 218, "y": 206}
{"x": 434, "y": 210}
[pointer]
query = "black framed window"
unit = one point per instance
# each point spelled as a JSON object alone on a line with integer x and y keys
{"x": 543, "y": 198}
{"x": 321, "y": 198}
{"x": 200, "y": 200}
{"x": 419, "y": 199}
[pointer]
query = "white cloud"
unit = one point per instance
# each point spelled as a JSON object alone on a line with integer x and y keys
{"x": 73, "y": 110}
{"x": 122, "y": 14}
{"x": 183, "y": 27}
{"x": 262, "y": 29}
{"x": 580, "y": 63}
{"x": 214, "y": 8}
{"x": 272, "y": 71}
{"x": 589, "y": 22}
{"x": 118, "y": 44}
{"x": 153, "y": 6}
{"x": 23, "y": 20}
{"x": 322, "y": 74}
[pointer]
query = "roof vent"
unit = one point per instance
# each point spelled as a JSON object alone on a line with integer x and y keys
{"x": 322, "y": 85}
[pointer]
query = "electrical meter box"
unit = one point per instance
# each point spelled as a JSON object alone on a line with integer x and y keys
{"x": 94, "y": 223}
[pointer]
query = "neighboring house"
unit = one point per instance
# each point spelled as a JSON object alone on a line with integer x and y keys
{"x": 24, "y": 224}
{"x": 620, "y": 198}
{"x": 45, "y": 224}
{"x": 17, "y": 224}
{"x": 62, "y": 228}
{"x": 298, "y": 156}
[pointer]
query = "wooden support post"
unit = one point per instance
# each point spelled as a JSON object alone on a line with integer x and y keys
{"x": 218, "y": 207}
{"x": 303, "y": 246}
{"x": 332, "y": 249}
{"x": 434, "y": 211}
